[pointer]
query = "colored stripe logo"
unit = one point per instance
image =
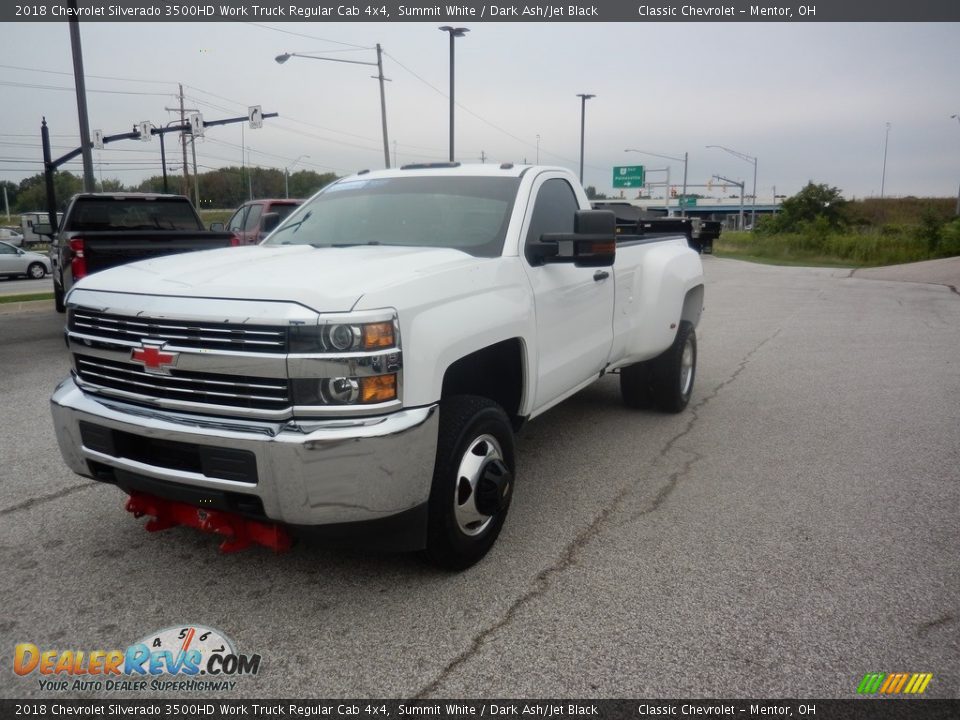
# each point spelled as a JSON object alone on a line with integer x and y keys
{"x": 894, "y": 683}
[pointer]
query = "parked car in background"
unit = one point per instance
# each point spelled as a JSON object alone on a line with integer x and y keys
{"x": 15, "y": 262}
{"x": 254, "y": 220}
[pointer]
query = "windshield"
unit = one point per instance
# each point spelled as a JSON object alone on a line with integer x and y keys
{"x": 464, "y": 213}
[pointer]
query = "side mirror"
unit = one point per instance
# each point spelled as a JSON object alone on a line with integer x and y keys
{"x": 43, "y": 229}
{"x": 216, "y": 227}
{"x": 593, "y": 242}
{"x": 269, "y": 222}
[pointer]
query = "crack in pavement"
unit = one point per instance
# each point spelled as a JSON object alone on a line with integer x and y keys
{"x": 33, "y": 502}
{"x": 541, "y": 582}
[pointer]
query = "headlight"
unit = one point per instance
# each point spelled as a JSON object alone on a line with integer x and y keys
{"x": 342, "y": 337}
{"x": 345, "y": 390}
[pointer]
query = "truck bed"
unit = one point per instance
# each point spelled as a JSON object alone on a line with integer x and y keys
{"x": 110, "y": 248}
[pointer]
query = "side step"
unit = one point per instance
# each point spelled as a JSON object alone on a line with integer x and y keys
{"x": 239, "y": 532}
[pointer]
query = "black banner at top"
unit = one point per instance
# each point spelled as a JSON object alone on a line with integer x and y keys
{"x": 482, "y": 11}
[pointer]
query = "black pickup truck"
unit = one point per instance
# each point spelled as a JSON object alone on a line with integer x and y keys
{"x": 102, "y": 230}
{"x": 632, "y": 220}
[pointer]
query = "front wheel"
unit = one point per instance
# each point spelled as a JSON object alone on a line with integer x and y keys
{"x": 36, "y": 271}
{"x": 472, "y": 481}
{"x": 673, "y": 372}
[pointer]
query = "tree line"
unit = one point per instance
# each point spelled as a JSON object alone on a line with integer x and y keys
{"x": 224, "y": 188}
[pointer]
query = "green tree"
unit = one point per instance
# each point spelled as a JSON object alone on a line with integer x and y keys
{"x": 592, "y": 193}
{"x": 33, "y": 192}
{"x": 816, "y": 205}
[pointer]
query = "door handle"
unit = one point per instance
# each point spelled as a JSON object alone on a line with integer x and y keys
{"x": 600, "y": 275}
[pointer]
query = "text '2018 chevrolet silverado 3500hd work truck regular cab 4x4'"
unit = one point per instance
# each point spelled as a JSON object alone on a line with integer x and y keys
{"x": 362, "y": 371}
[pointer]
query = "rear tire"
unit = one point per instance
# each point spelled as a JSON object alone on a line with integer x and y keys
{"x": 472, "y": 481}
{"x": 635, "y": 385}
{"x": 673, "y": 372}
{"x": 58, "y": 298}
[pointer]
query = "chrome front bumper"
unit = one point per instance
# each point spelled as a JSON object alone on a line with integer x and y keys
{"x": 319, "y": 473}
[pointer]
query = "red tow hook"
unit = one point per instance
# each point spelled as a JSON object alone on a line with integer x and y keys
{"x": 238, "y": 531}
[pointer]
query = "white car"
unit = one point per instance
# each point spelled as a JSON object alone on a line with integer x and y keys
{"x": 15, "y": 262}
{"x": 9, "y": 235}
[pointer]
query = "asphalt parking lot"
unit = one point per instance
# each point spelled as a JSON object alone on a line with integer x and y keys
{"x": 794, "y": 529}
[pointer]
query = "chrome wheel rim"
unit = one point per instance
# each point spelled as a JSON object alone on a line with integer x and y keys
{"x": 686, "y": 368}
{"x": 37, "y": 272}
{"x": 479, "y": 453}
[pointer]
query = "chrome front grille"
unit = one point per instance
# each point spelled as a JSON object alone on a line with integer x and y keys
{"x": 185, "y": 386}
{"x": 182, "y": 333}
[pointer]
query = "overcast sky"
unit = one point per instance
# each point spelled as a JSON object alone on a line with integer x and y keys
{"x": 810, "y": 101}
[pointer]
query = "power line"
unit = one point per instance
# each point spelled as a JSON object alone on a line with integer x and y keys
{"x": 98, "y": 77}
{"x": 33, "y": 86}
{"x": 311, "y": 37}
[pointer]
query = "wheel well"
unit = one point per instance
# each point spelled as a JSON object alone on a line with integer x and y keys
{"x": 495, "y": 372}
{"x": 693, "y": 305}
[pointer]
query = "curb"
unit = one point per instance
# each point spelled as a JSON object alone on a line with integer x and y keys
{"x": 28, "y": 306}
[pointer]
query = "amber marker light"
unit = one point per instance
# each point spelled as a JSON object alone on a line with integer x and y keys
{"x": 379, "y": 388}
{"x": 378, "y": 335}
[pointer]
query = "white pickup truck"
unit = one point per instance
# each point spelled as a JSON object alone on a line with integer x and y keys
{"x": 362, "y": 371}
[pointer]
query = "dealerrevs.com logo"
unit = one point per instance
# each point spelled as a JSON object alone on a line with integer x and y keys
{"x": 184, "y": 658}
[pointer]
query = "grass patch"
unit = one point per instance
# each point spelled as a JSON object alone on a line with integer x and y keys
{"x": 25, "y": 298}
{"x": 792, "y": 262}
{"x": 212, "y": 216}
{"x": 888, "y": 245}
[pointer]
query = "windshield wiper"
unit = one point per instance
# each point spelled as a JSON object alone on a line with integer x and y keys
{"x": 293, "y": 226}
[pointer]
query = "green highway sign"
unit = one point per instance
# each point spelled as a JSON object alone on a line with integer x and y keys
{"x": 628, "y": 176}
{"x": 686, "y": 202}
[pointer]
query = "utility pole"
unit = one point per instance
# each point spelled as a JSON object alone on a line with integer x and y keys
{"x": 483, "y": 157}
{"x": 883, "y": 173}
{"x": 81, "y": 87}
{"x": 583, "y": 112}
{"x": 183, "y": 142}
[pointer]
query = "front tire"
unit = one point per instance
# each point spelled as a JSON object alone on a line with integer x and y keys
{"x": 36, "y": 271}
{"x": 472, "y": 481}
{"x": 673, "y": 372}
{"x": 58, "y": 302}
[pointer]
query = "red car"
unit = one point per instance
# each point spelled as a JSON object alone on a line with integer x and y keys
{"x": 247, "y": 223}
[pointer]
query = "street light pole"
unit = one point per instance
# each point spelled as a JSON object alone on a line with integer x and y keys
{"x": 81, "y": 91}
{"x": 750, "y": 159}
{"x": 281, "y": 59}
{"x": 957, "y": 118}
{"x": 583, "y": 111}
{"x": 683, "y": 210}
{"x": 883, "y": 172}
{"x": 454, "y": 33}
{"x": 286, "y": 175}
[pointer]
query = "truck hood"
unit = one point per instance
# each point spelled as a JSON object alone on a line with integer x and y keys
{"x": 323, "y": 279}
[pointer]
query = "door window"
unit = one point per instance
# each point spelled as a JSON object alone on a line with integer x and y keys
{"x": 253, "y": 218}
{"x": 236, "y": 221}
{"x": 554, "y": 210}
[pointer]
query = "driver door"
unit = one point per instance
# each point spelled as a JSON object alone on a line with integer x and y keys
{"x": 573, "y": 305}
